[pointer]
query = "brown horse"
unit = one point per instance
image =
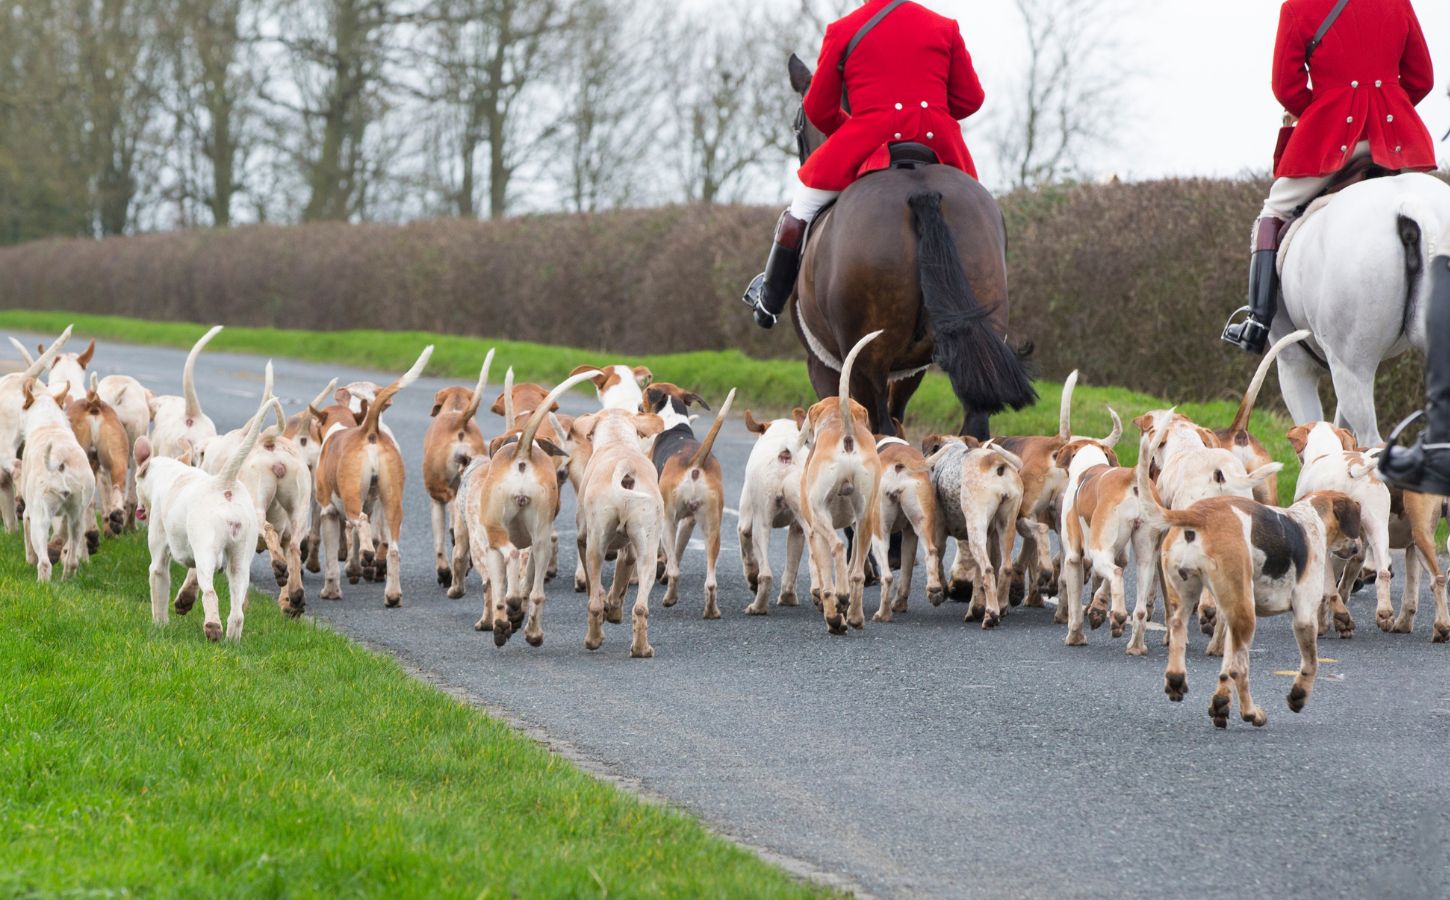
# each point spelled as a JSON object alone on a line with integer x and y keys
{"x": 920, "y": 254}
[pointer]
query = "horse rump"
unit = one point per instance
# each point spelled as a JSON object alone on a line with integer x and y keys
{"x": 986, "y": 374}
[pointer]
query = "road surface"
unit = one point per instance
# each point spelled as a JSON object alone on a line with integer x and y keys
{"x": 925, "y": 756}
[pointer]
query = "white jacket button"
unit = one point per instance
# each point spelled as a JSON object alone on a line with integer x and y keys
{"x": 898, "y": 106}
{"x": 1343, "y": 148}
{"x": 1389, "y": 118}
{"x": 1379, "y": 84}
{"x": 929, "y": 135}
{"x": 1349, "y": 120}
{"x": 1354, "y": 84}
{"x": 898, "y": 136}
{"x": 923, "y": 104}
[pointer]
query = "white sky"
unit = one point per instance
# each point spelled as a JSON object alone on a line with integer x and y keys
{"x": 1200, "y": 103}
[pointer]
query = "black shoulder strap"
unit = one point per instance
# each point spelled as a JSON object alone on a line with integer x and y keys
{"x": 865, "y": 30}
{"x": 1329, "y": 21}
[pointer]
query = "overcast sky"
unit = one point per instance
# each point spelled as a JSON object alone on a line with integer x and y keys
{"x": 1200, "y": 103}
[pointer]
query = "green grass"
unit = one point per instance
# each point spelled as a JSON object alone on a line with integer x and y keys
{"x": 146, "y": 761}
{"x": 766, "y": 386}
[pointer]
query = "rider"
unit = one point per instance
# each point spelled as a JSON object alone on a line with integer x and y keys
{"x": 910, "y": 80}
{"x": 1369, "y": 73}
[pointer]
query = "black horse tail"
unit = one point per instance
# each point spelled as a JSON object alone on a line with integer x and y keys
{"x": 987, "y": 375}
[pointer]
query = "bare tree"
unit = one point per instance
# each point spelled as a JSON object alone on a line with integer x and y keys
{"x": 733, "y": 101}
{"x": 613, "y": 100}
{"x": 1067, "y": 99}
{"x": 215, "y": 81}
{"x": 488, "y": 54}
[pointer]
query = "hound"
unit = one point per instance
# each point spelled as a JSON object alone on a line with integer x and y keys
{"x": 770, "y": 499}
{"x": 1259, "y": 561}
{"x": 278, "y": 479}
{"x": 1037, "y": 568}
{"x": 988, "y": 492}
{"x": 103, "y": 438}
{"x": 512, "y": 502}
{"x": 1413, "y": 520}
{"x": 205, "y": 522}
{"x": 1333, "y": 462}
{"x": 692, "y": 484}
{"x": 516, "y": 404}
{"x": 839, "y": 489}
{"x": 68, "y": 369}
{"x": 305, "y": 429}
{"x": 179, "y": 425}
{"x": 360, "y": 474}
{"x": 452, "y": 441}
{"x": 620, "y": 510}
{"x": 618, "y": 387}
{"x": 12, "y": 422}
{"x": 55, "y": 482}
{"x": 908, "y": 506}
{"x": 1083, "y": 459}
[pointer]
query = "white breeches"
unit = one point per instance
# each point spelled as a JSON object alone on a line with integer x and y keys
{"x": 807, "y": 202}
{"x": 1288, "y": 194}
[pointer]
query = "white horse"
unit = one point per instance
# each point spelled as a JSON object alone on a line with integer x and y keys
{"x": 1356, "y": 274}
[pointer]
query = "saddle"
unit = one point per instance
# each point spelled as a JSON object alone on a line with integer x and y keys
{"x": 901, "y": 155}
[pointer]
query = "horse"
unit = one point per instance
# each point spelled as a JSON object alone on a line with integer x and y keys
{"x": 1355, "y": 273}
{"x": 919, "y": 254}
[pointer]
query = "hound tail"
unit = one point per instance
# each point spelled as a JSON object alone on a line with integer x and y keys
{"x": 526, "y": 440}
{"x": 1064, "y": 411}
{"x": 42, "y": 362}
{"x": 709, "y": 442}
{"x": 384, "y": 398}
{"x": 188, "y": 374}
{"x": 1251, "y": 396}
{"x": 987, "y": 375}
{"x": 476, "y": 398}
{"x": 848, "y": 422}
{"x": 228, "y": 474}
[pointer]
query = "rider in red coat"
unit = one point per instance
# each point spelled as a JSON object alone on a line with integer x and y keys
{"x": 1354, "y": 95}
{"x": 909, "y": 78}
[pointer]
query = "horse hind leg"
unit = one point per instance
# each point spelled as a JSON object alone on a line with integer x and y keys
{"x": 1354, "y": 391}
{"x": 1299, "y": 381}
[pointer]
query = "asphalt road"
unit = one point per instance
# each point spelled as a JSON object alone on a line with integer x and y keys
{"x": 925, "y": 756}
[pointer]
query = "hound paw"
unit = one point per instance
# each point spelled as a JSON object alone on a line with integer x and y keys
{"x": 535, "y": 640}
{"x": 393, "y": 601}
{"x": 1441, "y": 634}
{"x": 1175, "y": 685}
{"x": 213, "y": 631}
{"x": 1075, "y": 639}
{"x": 1344, "y": 624}
{"x": 1120, "y": 622}
{"x": 445, "y": 576}
{"x": 1096, "y": 616}
{"x": 1385, "y": 619}
{"x": 991, "y": 620}
{"x": 502, "y": 630}
{"x": 787, "y": 598}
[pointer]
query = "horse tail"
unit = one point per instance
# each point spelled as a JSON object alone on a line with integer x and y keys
{"x": 987, "y": 375}
{"x": 1412, "y": 238}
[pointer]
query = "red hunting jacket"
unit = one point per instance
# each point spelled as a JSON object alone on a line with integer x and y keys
{"x": 910, "y": 79}
{"x": 1367, "y": 77}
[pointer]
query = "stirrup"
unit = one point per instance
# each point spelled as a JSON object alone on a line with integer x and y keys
{"x": 753, "y": 293}
{"x": 1247, "y": 334}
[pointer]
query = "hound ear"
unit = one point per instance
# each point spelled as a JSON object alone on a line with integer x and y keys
{"x": 931, "y": 444}
{"x": 438, "y": 399}
{"x": 341, "y": 396}
{"x": 643, "y": 376}
{"x": 1299, "y": 438}
{"x": 28, "y": 390}
{"x": 1144, "y": 422}
{"x": 497, "y": 408}
{"x": 697, "y": 400}
{"x": 597, "y": 379}
{"x": 799, "y": 415}
{"x": 648, "y": 424}
{"x": 549, "y": 447}
{"x": 185, "y": 457}
{"x": 1346, "y": 437}
{"x": 654, "y": 398}
{"x": 1209, "y": 439}
{"x": 362, "y": 409}
{"x": 900, "y": 428}
{"x": 800, "y": 74}
{"x": 497, "y": 443}
{"x": 1063, "y": 457}
{"x": 143, "y": 450}
{"x": 1347, "y": 510}
{"x": 753, "y": 426}
{"x": 85, "y": 358}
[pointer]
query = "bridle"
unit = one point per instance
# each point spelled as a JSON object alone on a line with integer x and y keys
{"x": 800, "y": 133}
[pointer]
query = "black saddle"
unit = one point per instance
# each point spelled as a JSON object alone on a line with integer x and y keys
{"x": 910, "y": 155}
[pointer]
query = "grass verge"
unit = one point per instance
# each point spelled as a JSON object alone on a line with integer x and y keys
{"x": 766, "y": 386}
{"x": 145, "y": 761}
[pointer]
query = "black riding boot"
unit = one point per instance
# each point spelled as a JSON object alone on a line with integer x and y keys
{"x": 1425, "y": 467}
{"x": 1252, "y": 334}
{"x": 770, "y": 290}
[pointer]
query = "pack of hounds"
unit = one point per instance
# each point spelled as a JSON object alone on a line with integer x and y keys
{"x": 1198, "y": 514}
